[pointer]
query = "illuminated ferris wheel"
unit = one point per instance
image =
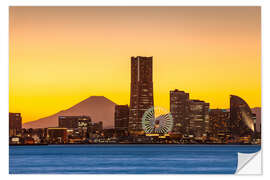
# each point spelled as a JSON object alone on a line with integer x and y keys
{"x": 157, "y": 120}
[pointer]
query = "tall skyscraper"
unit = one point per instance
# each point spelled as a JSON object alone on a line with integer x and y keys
{"x": 189, "y": 116}
{"x": 141, "y": 93}
{"x": 179, "y": 108}
{"x": 199, "y": 117}
{"x": 15, "y": 124}
{"x": 121, "y": 117}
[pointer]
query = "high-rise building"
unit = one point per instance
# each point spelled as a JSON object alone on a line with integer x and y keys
{"x": 190, "y": 116}
{"x": 15, "y": 124}
{"x": 241, "y": 117}
{"x": 121, "y": 117}
{"x": 199, "y": 118}
{"x": 179, "y": 108}
{"x": 141, "y": 95}
{"x": 219, "y": 122}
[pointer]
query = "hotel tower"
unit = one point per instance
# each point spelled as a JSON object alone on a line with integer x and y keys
{"x": 141, "y": 92}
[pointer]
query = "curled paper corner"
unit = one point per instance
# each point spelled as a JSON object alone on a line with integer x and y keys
{"x": 249, "y": 163}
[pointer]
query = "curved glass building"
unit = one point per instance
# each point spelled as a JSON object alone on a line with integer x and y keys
{"x": 241, "y": 121}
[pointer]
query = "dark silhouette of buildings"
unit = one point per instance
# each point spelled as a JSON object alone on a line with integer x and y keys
{"x": 219, "y": 123}
{"x": 79, "y": 127}
{"x": 241, "y": 117}
{"x": 97, "y": 126}
{"x": 57, "y": 135}
{"x": 179, "y": 108}
{"x": 141, "y": 96}
{"x": 257, "y": 112}
{"x": 193, "y": 122}
{"x": 74, "y": 121}
{"x": 199, "y": 118}
{"x": 189, "y": 116}
{"x": 121, "y": 117}
{"x": 15, "y": 124}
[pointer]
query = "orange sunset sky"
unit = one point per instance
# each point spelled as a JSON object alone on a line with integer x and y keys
{"x": 60, "y": 56}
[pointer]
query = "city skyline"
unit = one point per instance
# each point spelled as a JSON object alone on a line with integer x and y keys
{"x": 53, "y": 58}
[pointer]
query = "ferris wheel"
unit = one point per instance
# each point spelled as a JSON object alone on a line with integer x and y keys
{"x": 157, "y": 120}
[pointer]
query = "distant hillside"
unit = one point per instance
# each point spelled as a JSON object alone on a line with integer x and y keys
{"x": 98, "y": 108}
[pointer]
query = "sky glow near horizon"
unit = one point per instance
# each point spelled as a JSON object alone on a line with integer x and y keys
{"x": 60, "y": 56}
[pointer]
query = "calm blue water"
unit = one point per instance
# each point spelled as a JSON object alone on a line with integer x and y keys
{"x": 126, "y": 159}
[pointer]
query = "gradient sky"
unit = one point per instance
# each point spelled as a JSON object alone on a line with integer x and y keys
{"x": 62, "y": 55}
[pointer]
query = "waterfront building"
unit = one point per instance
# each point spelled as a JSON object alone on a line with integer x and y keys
{"x": 57, "y": 135}
{"x": 79, "y": 127}
{"x": 141, "y": 95}
{"x": 121, "y": 117}
{"x": 199, "y": 118}
{"x": 15, "y": 140}
{"x": 257, "y": 112}
{"x": 219, "y": 123}
{"x": 109, "y": 133}
{"x": 72, "y": 122}
{"x": 96, "y": 127}
{"x": 179, "y": 108}
{"x": 28, "y": 140}
{"x": 241, "y": 118}
{"x": 15, "y": 124}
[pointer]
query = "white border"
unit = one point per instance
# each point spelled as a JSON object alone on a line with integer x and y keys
{"x": 4, "y": 75}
